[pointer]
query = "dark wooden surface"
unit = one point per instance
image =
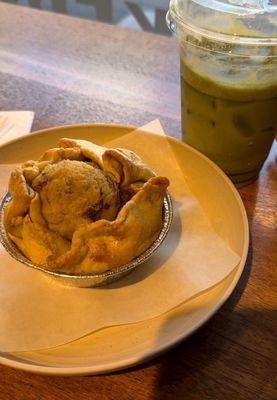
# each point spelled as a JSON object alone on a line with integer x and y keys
{"x": 69, "y": 70}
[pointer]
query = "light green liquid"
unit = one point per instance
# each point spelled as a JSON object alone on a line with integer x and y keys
{"x": 234, "y": 127}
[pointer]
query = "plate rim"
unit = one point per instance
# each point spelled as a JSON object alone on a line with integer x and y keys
{"x": 170, "y": 343}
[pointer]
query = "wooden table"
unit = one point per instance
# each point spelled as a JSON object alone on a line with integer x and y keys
{"x": 70, "y": 70}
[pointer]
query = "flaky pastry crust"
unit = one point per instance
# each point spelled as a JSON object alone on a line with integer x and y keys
{"x": 83, "y": 208}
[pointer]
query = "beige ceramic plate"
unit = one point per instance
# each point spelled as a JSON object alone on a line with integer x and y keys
{"x": 119, "y": 347}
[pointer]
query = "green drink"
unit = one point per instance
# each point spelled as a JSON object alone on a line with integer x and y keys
{"x": 233, "y": 127}
{"x": 228, "y": 91}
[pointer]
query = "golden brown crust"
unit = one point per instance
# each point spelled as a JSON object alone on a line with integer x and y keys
{"x": 65, "y": 208}
{"x": 125, "y": 167}
{"x": 73, "y": 193}
{"x": 109, "y": 244}
{"x": 38, "y": 242}
{"x": 57, "y": 154}
{"x": 89, "y": 150}
{"x": 22, "y": 195}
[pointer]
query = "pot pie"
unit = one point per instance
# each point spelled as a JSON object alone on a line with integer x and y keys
{"x": 83, "y": 208}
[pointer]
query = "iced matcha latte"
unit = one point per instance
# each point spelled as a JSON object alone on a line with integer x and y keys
{"x": 228, "y": 83}
{"x": 234, "y": 125}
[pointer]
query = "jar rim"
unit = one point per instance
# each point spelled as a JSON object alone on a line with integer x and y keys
{"x": 234, "y": 38}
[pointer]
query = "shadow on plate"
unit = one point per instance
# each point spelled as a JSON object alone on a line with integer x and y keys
{"x": 193, "y": 361}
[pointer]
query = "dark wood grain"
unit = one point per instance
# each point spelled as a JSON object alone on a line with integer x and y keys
{"x": 69, "y": 70}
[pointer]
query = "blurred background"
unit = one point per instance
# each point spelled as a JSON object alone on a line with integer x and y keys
{"x": 147, "y": 15}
